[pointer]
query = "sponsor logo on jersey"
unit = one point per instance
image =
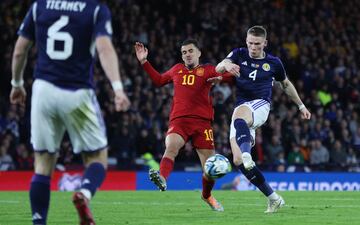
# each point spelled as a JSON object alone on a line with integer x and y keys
{"x": 244, "y": 63}
{"x": 266, "y": 66}
{"x": 180, "y": 71}
{"x": 255, "y": 65}
{"x": 200, "y": 72}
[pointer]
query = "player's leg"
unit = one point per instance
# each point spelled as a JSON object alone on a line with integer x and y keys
{"x": 255, "y": 176}
{"x": 47, "y": 131}
{"x": 173, "y": 143}
{"x": 40, "y": 186}
{"x": 252, "y": 173}
{"x": 207, "y": 182}
{"x": 203, "y": 142}
{"x": 95, "y": 170}
{"x": 242, "y": 119}
{"x": 85, "y": 125}
{"x": 94, "y": 175}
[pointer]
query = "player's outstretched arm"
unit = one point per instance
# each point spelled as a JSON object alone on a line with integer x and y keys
{"x": 141, "y": 54}
{"x": 109, "y": 62}
{"x": 19, "y": 59}
{"x": 227, "y": 66}
{"x": 290, "y": 90}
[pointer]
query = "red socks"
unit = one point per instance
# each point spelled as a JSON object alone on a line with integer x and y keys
{"x": 207, "y": 187}
{"x": 166, "y": 166}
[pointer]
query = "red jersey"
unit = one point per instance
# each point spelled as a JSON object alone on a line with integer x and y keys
{"x": 191, "y": 89}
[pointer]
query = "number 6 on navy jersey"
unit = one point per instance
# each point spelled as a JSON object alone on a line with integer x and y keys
{"x": 54, "y": 34}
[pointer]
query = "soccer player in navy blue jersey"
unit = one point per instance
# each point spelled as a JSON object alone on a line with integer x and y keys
{"x": 66, "y": 34}
{"x": 255, "y": 71}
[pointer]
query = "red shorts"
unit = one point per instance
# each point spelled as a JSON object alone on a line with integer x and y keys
{"x": 196, "y": 129}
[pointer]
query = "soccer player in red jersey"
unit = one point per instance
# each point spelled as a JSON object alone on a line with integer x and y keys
{"x": 191, "y": 113}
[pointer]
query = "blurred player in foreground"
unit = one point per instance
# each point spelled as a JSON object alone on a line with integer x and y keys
{"x": 191, "y": 113}
{"x": 255, "y": 71}
{"x": 63, "y": 98}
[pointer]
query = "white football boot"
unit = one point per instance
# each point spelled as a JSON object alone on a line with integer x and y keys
{"x": 274, "y": 205}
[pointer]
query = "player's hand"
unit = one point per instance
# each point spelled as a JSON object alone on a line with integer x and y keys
{"x": 18, "y": 96}
{"x": 122, "y": 102}
{"x": 141, "y": 52}
{"x": 232, "y": 68}
{"x": 305, "y": 114}
{"x": 215, "y": 80}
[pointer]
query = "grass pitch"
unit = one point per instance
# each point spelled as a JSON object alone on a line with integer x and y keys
{"x": 186, "y": 207}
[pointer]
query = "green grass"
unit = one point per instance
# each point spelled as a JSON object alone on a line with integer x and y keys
{"x": 185, "y": 207}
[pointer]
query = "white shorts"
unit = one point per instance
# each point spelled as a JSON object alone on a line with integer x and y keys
{"x": 55, "y": 110}
{"x": 260, "y": 109}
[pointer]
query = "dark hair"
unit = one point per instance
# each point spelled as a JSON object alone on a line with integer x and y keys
{"x": 191, "y": 41}
{"x": 258, "y": 31}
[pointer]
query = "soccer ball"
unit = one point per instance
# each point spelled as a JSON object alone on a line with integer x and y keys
{"x": 217, "y": 166}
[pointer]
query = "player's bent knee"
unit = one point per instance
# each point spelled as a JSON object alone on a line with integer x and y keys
{"x": 244, "y": 113}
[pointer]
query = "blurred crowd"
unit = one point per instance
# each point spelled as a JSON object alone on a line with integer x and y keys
{"x": 318, "y": 41}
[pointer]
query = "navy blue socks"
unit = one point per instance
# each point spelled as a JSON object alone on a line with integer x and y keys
{"x": 93, "y": 177}
{"x": 39, "y": 198}
{"x": 255, "y": 176}
{"x": 40, "y": 190}
{"x": 243, "y": 137}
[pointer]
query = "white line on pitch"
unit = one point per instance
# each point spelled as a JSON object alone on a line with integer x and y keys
{"x": 231, "y": 204}
{"x": 9, "y": 202}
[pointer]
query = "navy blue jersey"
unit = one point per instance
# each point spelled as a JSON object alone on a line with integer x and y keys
{"x": 65, "y": 33}
{"x": 256, "y": 75}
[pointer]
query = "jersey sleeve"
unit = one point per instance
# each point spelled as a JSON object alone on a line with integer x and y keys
{"x": 234, "y": 55}
{"x": 228, "y": 78}
{"x": 103, "y": 25}
{"x": 280, "y": 73}
{"x": 27, "y": 27}
{"x": 211, "y": 72}
{"x": 157, "y": 78}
